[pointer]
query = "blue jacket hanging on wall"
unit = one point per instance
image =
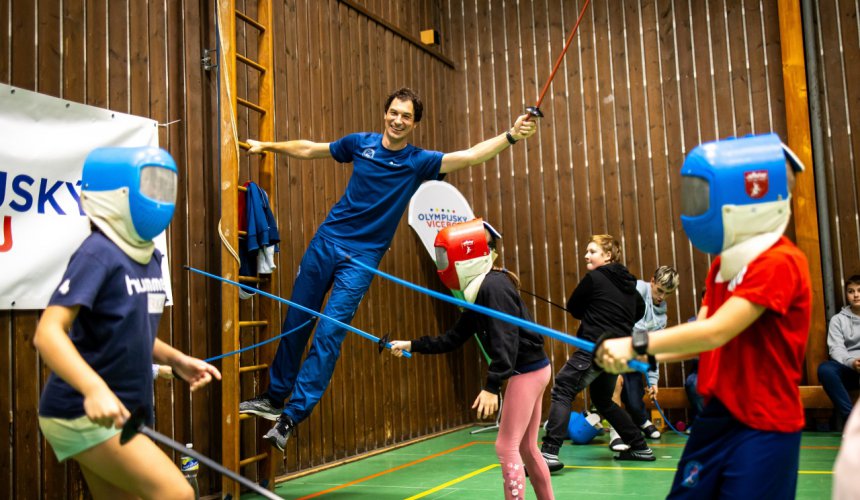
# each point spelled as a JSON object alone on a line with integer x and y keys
{"x": 256, "y": 250}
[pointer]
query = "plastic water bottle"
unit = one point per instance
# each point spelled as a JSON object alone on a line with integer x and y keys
{"x": 189, "y": 467}
{"x": 657, "y": 420}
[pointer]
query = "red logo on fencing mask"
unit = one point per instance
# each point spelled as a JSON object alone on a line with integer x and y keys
{"x": 756, "y": 183}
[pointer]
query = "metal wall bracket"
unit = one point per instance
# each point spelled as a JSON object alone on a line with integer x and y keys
{"x": 209, "y": 59}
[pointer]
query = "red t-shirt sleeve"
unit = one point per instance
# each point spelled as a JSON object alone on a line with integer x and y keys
{"x": 769, "y": 281}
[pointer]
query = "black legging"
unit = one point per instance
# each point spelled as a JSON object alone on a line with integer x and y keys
{"x": 631, "y": 395}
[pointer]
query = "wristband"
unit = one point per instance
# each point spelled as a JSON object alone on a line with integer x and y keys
{"x": 599, "y": 342}
{"x": 640, "y": 342}
{"x": 510, "y": 138}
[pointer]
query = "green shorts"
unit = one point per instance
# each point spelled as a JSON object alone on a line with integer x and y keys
{"x": 68, "y": 437}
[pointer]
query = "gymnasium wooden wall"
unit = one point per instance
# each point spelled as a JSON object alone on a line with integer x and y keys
{"x": 839, "y": 50}
{"x": 642, "y": 84}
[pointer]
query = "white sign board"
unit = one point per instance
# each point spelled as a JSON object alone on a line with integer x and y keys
{"x": 435, "y": 206}
{"x": 43, "y": 144}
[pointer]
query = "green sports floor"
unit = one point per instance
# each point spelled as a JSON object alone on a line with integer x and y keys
{"x": 460, "y": 465}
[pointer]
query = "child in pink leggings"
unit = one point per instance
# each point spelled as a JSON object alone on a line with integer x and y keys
{"x": 465, "y": 254}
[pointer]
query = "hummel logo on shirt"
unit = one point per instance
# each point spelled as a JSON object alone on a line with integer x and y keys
{"x": 144, "y": 285}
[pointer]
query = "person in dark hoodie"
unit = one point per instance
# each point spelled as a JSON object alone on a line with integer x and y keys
{"x": 606, "y": 302}
{"x": 464, "y": 258}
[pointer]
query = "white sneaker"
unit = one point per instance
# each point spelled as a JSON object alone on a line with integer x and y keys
{"x": 615, "y": 441}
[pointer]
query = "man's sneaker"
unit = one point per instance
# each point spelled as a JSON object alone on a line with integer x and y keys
{"x": 645, "y": 455}
{"x": 615, "y": 441}
{"x": 552, "y": 462}
{"x": 262, "y": 406}
{"x": 649, "y": 430}
{"x": 280, "y": 432}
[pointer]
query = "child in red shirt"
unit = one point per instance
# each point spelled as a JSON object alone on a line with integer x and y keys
{"x": 753, "y": 324}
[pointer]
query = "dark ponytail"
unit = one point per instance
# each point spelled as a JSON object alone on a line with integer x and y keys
{"x": 511, "y": 276}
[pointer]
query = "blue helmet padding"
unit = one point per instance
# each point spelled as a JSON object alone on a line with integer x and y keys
{"x": 725, "y": 165}
{"x": 108, "y": 169}
{"x": 579, "y": 430}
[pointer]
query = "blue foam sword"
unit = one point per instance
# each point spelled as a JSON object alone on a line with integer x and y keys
{"x": 528, "y": 325}
{"x": 383, "y": 342}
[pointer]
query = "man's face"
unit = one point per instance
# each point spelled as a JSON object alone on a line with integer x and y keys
{"x": 852, "y": 293}
{"x": 658, "y": 293}
{"x": 399, "y": 121}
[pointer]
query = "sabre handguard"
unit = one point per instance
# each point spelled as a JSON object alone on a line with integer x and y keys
{"x": 133, "y": 425}
{"x": 383, "y": 342}
{"x": 534, "y": 111}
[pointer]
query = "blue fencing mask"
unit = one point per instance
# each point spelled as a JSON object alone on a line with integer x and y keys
{"x": 581, "y": 428}
{"x": 130, "y": 194}
{"x": 735, "y": 197}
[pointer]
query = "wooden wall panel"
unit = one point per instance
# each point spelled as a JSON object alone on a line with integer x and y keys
{"x": 73, "y": 52}
{"x": 7, "y": 443}
{"x": 6, "y": 41}
{"x": 26, "y": 452}
{"x": 642, "y": 84}
{"x": 839, "y": 48}
{"x": 118, "y": 59}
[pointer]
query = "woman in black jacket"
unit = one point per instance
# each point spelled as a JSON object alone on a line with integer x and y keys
{"x": 606, "y": 302}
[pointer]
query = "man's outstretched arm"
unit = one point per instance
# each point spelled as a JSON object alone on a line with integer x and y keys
{"x": 301, "y": 149}
{"x": 483, "y": 151}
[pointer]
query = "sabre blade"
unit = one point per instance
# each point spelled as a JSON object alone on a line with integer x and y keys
{"x": 135, "y": 425}
{"x": 558, "y": 62}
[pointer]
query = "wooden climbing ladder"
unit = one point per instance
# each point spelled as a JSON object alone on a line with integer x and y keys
{"x": 260, "y": 319}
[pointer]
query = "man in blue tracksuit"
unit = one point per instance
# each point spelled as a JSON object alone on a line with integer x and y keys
{"x": 387, "y": 171}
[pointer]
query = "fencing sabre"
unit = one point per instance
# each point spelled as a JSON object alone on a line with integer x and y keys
{"x": 135, "y": 425}
{"x": 534, "y": 111}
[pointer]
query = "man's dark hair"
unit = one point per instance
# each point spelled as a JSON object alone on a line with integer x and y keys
{"x": 853, "y": 280}
{"x": 407, "y": 94}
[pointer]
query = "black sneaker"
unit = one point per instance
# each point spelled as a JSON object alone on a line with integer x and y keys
{"x": 281, "y": 431}
{"x": 261, "y": 406}
{"x": 552, "y": 462}
{"x": 645, "y": 455}
{"x": 650, "y": 430}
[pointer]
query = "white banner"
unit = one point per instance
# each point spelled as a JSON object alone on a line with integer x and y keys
{"x": 435, "y": 206}
{"x": 43, "y": 144}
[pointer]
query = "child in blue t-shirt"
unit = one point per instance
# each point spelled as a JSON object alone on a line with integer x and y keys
{"x": 98, "y": 333}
